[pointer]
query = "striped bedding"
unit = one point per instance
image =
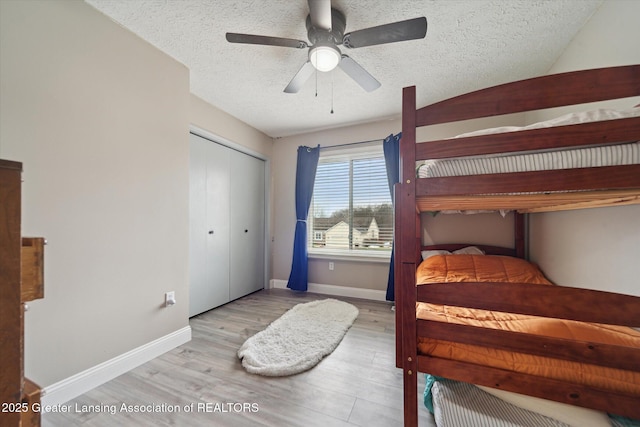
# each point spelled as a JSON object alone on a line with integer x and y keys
{"x": 595, "y": 156}
{"x": 609, "y": 155}
{"x": 457, "y": 404}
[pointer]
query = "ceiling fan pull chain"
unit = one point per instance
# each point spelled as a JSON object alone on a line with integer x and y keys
{"x": 316, "y": 73}
{"x": 331, "y": 92}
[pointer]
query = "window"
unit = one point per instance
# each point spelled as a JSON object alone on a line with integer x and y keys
{"x": 351, "y": 211}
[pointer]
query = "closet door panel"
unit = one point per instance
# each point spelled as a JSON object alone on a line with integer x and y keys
{"x": 247, "y": 205}
{"x": 209, "y": 225}
{"x": 197, "y": 223}
{"x": 218, "y": 170}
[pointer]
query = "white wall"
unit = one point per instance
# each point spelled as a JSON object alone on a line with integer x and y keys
{"x": 595, "y": 248}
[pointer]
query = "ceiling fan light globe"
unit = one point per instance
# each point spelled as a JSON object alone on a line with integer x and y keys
{"x": 324, "y": 58}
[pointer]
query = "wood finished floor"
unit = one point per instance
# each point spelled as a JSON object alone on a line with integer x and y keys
{"x": 357, "y": 385}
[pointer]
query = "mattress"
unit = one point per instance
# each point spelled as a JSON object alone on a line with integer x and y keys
{"x": 456, "y": 404}
{"x": 593, "y": 156}
{"x": 473, "y": 268}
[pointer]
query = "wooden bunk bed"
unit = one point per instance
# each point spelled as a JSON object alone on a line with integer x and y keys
{"x": 529, "y": 191}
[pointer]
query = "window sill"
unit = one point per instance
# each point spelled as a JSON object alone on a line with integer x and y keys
{"x": 353, "y": 256}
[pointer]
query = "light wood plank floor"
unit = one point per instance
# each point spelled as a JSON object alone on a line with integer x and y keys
{"x": 357, "y": 385}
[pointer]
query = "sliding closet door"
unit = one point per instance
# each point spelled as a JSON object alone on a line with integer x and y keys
{"x": 247, "y": 205}
{"x": 209, "y": 225}
{"x": 227, "y": 224}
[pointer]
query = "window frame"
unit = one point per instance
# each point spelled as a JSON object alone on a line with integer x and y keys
{"x": 361, "y": 151}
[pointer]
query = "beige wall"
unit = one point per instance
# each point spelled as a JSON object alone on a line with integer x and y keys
{"x": 595, "y": 248}
{"x": 563, "y": 243}
{"x": 209, "y": 118}
{"x": 100, "y": 119}
{"x": 484, "y": 228}
{"x": 369, "y": 275}
{"x": 357, "y": 274}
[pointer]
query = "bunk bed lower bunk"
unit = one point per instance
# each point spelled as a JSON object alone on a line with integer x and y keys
{"x": 419, "y": 343}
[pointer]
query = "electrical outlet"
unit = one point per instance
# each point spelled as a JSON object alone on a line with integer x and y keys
{"x": 169, "y": 299}
{"x": 331, "y": 266}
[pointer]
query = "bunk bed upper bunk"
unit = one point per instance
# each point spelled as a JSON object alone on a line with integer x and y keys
{"x": 524, "y": 191}
{"x": 529, "y": 191}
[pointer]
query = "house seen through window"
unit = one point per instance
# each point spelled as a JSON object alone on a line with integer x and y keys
{"x": 351, "y": 212}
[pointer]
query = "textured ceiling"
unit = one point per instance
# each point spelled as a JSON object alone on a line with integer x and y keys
{"x": 469, "y": 45}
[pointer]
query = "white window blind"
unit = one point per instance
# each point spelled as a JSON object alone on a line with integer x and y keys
{"x": 351, "y": 210}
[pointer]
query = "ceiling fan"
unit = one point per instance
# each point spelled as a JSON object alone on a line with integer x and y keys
{"x": 325, "y": 30}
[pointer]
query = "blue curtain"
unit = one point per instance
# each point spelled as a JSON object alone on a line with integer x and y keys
{"x": 391, "y": 147}
{"x": 305, "y": 178}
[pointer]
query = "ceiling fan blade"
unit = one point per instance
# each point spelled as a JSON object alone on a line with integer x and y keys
{"x": 410, "y": 29}
{"x": 300, "y": 78}
{"x": 265, "y": 40}
{"x": 359, "y": 74}
{"x": 320, "y": 13}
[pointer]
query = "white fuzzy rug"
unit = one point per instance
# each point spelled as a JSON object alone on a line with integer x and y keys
{"x": 299, "y": 339}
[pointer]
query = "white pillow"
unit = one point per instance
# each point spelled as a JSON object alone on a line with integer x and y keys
{"x": 567, "y": 119}
{"x": 469, "y": 250}
{"x": 575, "y": 416}
{"x": 427, "y": 254}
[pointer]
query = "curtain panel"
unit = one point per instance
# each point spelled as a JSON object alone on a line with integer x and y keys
{"x": 391, "y": 148}
{"x": 305, "y": 178}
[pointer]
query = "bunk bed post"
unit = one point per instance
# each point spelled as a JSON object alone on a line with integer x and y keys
{"x": 405, "y": 259}
{"x": 397, "y": 269}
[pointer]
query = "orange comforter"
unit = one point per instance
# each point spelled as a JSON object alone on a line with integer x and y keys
{"x": 479, "y": 268}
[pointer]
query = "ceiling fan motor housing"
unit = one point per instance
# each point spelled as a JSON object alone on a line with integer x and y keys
{"x": 324, "y": 53}
{"x": 332, "y": 36}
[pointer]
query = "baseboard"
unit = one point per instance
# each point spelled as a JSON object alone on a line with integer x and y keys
{"x": 342, "y": 291}
{"x": 80, "y": 383}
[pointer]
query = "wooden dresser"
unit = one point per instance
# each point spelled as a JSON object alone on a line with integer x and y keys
{"x": 21, "y": 280}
